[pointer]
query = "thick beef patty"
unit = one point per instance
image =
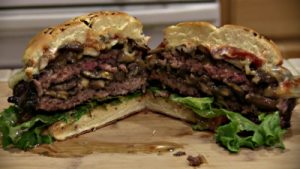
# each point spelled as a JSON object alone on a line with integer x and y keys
{"x": 72, "y": 79}
{"x": 195, "y": 73}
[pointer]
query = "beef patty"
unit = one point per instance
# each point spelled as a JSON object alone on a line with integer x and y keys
{"x": 198, "y": 74}
{"x": 72, "y": 79}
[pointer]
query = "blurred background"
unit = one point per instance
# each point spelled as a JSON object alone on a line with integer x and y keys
{"x": 278, "y": 20}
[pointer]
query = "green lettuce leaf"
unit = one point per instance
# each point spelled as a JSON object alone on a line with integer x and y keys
{"x": 201, "y": 106}
{"x": 8, "y": 118}
{"x": 32, "y": 138}
{"x": 267, "y": 133}
{"x": 28, "y": 134}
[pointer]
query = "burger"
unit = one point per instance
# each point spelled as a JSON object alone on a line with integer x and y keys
{"x": 96, "y": 69}
{"x": 232, "y": 77}
{"x": 69, "y": 70}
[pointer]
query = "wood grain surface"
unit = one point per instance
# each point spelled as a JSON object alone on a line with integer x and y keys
{"x": 148, "y": 128}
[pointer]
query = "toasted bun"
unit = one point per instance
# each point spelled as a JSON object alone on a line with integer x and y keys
{"x": 86, "y": 30}
{"x": 102, "y": 116}
{"x": 191, "y": 34}
{"x": 247, "y": 40}
{"x": 218, "y": 40}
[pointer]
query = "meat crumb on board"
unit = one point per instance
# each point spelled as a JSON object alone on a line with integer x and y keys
{"x": 196, "y": 161}
{"x": 179, "y": 153}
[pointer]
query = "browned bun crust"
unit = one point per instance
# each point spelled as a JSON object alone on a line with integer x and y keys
{"x": 85, "y": 30}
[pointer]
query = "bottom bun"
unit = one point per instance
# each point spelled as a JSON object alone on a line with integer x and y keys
{"x": 105, "y": 115}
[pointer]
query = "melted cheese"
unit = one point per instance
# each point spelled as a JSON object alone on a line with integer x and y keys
{"x": 18, "y": 76}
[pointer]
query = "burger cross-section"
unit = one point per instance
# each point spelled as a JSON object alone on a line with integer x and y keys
{"x": 228, "y": 80}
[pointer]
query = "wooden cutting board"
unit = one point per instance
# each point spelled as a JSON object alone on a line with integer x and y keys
{"x": 140, "y": 141}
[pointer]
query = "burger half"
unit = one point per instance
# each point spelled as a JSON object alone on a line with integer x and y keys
{"x": 233, "y": 69}
{"x": 72, "y": 68}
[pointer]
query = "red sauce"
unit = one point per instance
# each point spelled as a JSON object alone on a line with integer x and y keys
{"x": 289, "y": 85}
{"x": 229, "y": 52}
{"x": 161, "y": 45}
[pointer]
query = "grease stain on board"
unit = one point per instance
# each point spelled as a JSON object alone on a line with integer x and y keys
{"x": 132, "y": 135}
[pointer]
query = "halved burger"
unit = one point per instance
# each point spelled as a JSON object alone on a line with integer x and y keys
{"x": 95, "y": 69}
{"x": 235, "y": 65}
{"x": 234, "y": 69}
{"x": 72, "y": 68}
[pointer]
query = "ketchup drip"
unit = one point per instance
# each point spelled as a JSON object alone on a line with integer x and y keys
{"x": 229, "y": 52}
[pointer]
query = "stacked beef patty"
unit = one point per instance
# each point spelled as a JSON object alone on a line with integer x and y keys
{"x": 196, "y": 73}
{"x": 73, "y": 78}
